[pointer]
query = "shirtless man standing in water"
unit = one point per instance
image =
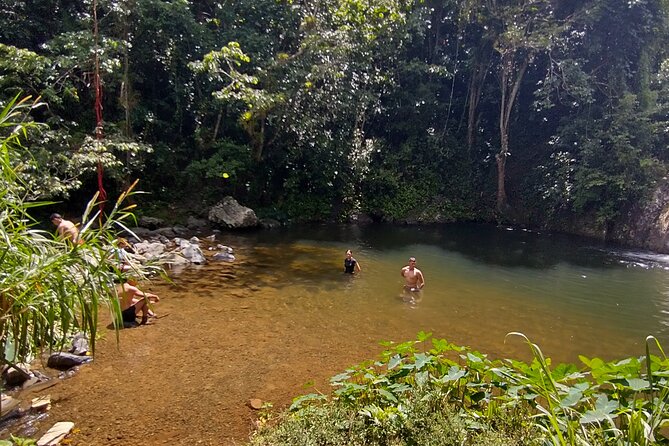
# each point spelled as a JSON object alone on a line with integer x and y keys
{"x": 413, "y": 277}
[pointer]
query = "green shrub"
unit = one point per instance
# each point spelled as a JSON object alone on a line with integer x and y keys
{"x": 444, "y": 394}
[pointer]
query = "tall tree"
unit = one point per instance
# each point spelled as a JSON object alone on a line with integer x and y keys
{"x": 521, "y": 29}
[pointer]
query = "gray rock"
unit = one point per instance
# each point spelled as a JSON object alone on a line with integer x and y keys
{"x": 65, "y": 361}
{"x": 194, "y": 254}
{"x": 646, "y": 225}
{"x": 196, "y": 223}
{"x": 151, "y": 251}
{"x": 140, "y": 233}
{"x": 180, "y": 230}
{"x": 166, "y": 232}
{"x": 224, "y": 256}
{"x": 79, "y": 344}
{"x": 230, "y": 214}
{"x": 151, "y": 222}
{"x": 176, "y": 259}
{"x": 270, "y": 223}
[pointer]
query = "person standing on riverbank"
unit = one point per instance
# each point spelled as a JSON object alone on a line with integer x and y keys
{"x": 65, "y": 228}
{"x": 350, "y": 264}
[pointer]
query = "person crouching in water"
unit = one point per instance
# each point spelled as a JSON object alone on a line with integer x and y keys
{"x": 350, "y": 264}
{"x": 134, "y": 302}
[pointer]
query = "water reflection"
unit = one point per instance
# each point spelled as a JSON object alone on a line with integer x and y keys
{"x": 572, "y": 295}
{"x": 483, "y": 243}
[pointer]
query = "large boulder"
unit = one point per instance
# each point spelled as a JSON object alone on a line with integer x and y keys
{"x": 230, "y": 214}
{"x": 647, "y": 224}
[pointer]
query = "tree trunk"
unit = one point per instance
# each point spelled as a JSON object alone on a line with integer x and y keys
{"x": 475, "y": 85}
{"x": 511, "y": 78}
{"x": 480, "y": 71}
{"x": 219, "y": 118}
{"x": 501, "y": 176}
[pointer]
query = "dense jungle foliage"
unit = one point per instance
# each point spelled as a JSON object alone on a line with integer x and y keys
{"x": 536, "y": 111}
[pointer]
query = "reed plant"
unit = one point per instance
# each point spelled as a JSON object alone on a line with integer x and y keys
{"x": 49, "y": 287}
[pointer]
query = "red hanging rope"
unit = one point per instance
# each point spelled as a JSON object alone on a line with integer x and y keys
{"x": 102, "y": 194}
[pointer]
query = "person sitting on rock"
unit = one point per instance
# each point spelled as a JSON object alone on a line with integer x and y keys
{"x": 134, "y": 302}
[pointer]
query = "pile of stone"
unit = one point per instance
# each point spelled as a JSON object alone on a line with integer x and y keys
{"x": 19, "y": 378}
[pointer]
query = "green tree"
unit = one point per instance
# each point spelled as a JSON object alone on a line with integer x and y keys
{"x": 522, "y": 29}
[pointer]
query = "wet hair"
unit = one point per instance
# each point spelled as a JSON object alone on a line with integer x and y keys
{"x": 412, "y": 259}
{"x": 55, "y": 216}
{"x": 348, "y": 251}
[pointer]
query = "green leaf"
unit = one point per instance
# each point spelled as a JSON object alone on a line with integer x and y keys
{"x": 602, "y": 411}
{"x": 454, "y": 373}
{"x": 572, "y": 398}
{"x": 421, "y": 360}
{"x": 387, "y": 395}
{"x": 339, "y": 378}
{"x": 298, "y": 402}
{"x": 637, "y": 384}
{"x": 394, "y": 362}
{"x": 423, "y": 336}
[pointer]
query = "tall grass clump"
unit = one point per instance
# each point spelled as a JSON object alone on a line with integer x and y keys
{"x": 431, "y": 392}
{"x": 49, "y": 288}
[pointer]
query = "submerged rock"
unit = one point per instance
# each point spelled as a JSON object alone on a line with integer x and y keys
{"x": 224, "y": 256}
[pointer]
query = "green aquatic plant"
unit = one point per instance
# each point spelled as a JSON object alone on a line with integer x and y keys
{"x": 398, "y": 398}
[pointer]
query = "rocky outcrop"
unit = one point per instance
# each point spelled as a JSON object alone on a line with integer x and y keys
{"x": 646, "y": 225}
{"x": 196, "y": 224}
{"x": 230, "y": 214}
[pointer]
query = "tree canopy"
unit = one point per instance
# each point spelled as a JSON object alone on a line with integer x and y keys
{"x": 535, "y": 111}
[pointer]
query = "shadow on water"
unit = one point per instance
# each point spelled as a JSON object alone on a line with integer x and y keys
{"x": 485, "y": 243}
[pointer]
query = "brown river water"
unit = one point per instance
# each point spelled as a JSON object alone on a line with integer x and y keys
{"x": 282, "y": 319}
